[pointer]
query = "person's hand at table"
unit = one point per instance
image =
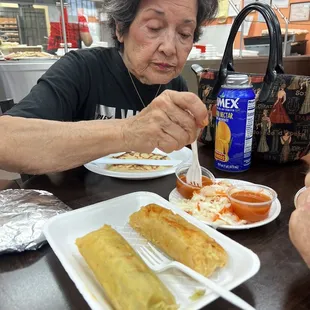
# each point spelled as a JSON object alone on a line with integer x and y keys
{"x": 299, "y": 225}
{"x": 169, "y": 123}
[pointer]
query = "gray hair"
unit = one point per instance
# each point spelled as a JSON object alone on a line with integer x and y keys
{"x": 123, "y": 12}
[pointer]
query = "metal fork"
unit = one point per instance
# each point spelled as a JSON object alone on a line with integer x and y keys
{"x": 193, "y": 175}
{"x": 158, "y": 262}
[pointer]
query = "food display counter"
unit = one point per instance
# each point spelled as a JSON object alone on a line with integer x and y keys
{"x": 18, "y": 77}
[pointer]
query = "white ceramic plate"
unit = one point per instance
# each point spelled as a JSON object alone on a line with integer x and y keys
{"x": 273, "y": 214}
{"x": 61, "y": 232}
{"x": 185, "y": 155}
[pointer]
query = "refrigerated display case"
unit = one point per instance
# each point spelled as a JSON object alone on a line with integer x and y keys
{"x": 17, "y": 78}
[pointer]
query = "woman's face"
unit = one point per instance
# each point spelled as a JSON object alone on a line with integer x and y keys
{"x": 159, "y": 39}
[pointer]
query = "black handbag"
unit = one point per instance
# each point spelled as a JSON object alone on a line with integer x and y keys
{"x": 282, "y": 115}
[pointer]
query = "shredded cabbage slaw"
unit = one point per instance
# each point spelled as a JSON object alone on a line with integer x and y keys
{"x": 211, "y": 205}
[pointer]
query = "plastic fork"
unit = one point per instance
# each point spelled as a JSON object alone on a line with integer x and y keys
{"x": 193, "y": 175}
{"x": 158, "y": 262}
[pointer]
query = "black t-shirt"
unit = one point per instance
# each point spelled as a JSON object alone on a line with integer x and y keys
{"x": 88, "y": 84}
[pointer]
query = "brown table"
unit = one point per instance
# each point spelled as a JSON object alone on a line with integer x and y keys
{"x": 36, "y": 280}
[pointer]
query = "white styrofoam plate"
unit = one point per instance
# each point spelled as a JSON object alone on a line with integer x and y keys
{"x": 274, "y": 212}
{"x": 185, "y": 155}
{"x": 62, "y": 231}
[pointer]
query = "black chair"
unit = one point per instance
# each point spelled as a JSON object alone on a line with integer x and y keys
{"x": 6, "y": 105}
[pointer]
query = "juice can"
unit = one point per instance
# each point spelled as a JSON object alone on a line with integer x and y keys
{"x": 234, "y": 124}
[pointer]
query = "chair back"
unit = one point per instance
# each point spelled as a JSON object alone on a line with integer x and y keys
{"x": 6, "y": 105}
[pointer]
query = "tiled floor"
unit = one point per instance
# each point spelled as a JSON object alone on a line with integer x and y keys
{"x": 4, "y": 175}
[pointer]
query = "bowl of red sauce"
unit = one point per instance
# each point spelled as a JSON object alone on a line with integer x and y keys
{"x": 251, "y": 202}
{"x": 187, "y": 190}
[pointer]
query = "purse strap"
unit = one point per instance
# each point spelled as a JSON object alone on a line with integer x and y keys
{"x": 279, "y": 64}
{"x": 275, "y": 62}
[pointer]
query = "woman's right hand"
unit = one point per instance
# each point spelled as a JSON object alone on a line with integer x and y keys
{"x": 168, "y": 123}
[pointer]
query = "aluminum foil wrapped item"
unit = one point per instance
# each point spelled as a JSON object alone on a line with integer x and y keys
{"x": 23, "y": 214}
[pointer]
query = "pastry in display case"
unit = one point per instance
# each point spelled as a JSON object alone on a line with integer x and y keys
{"x": 28, "y": 55}
{"x": 9, "y": 29}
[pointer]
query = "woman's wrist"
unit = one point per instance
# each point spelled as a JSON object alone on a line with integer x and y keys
{"x": 112, "y": 136}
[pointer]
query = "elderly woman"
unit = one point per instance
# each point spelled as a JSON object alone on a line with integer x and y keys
{"x": 94, "y": 102}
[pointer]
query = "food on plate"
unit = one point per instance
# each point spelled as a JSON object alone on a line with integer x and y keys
{"x": 127, "y": 280}
{"x": 179, "y": 239}
{"x": 138, "y": 168}
{"x": 187, "y": 190}
{"x": 244, "y": 210}
{"x": 22, "y": 55}
{"x": 252, "y": 203}
{"x": 212, "y": 205}
{"x": 222, "y": 203}
{"x": 197, "y": 295}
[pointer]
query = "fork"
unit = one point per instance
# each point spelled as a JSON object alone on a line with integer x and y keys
{"x": 158, "y": 262}
{"x": 193, "y": 175}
